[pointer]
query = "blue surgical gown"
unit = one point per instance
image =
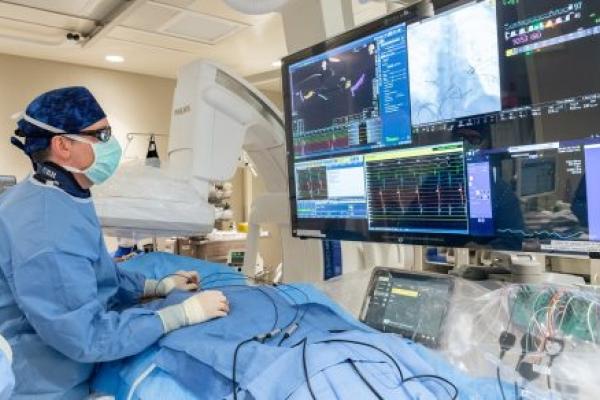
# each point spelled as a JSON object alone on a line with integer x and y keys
{"x": 64, "y": 304}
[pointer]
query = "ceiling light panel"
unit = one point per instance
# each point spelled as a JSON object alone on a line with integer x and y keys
{"x": 204, "y": 28}
{"x": 176, "y": 3}
{"x": 164, "y": 18}
{"x": 114, "y": 58}
{"x": 150, "y": 17}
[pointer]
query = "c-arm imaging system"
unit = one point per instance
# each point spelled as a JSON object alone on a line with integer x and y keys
{"x": 215, "y": 116}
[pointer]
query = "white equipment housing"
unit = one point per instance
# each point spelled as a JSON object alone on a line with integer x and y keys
{"x": 142, "y": 201}
{"x": 215, "y": 116}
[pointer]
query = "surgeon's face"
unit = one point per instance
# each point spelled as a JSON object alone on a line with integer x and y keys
{"x": 77, "y": 154}
{"x": 82, "y": 154}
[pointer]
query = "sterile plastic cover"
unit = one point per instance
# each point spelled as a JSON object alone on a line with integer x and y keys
{"x": 143, "y": 201}
{"x": 555, "y": 330}
{"x": 564, "y": 317}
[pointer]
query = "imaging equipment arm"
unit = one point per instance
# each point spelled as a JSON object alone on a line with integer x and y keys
{"x": 215, "y": 116}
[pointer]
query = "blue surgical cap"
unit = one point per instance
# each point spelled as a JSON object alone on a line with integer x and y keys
{"x": 69, "y": 109}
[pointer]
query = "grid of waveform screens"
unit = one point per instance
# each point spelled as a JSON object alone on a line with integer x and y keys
{"x": 418, "y": 190}
{"x": 479, "y": 126}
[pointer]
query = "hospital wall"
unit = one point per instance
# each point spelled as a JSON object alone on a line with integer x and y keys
{"x": 133, "y": 102}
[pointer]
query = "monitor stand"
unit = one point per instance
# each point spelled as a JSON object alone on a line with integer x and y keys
{"x": 523, "y": 268}
{"x": 531, "y": 269}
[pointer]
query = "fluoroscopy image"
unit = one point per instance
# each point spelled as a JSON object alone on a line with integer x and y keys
{"x": 335, "y": 86}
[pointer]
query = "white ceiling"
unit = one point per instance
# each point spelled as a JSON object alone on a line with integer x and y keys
{"x": 155, "y": 37}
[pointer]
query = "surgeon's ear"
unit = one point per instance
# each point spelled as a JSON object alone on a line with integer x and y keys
{"x": 60, "y": 148}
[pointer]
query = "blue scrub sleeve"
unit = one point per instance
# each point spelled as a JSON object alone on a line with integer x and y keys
{"x": 131, "y": 286}
{"x": 58, "y": 294}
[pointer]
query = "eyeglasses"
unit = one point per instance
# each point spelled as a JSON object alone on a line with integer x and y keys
{"x": 102, "y": 134}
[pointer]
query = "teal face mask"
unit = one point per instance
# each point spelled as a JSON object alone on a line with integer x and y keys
{"x": 107, "y": 156}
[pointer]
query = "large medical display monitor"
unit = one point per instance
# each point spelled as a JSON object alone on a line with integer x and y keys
{"x": 479, "y": 126}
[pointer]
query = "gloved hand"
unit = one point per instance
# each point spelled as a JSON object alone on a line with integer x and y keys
{"x": 198, "y": 308}
{"x": 5, "y": 349}
{"x": 7, "y": 378}
{"x": 181, "y": 280}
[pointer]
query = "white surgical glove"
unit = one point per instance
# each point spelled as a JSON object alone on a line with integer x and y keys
{"x": 5, "y": 348}
{"x": 198, "y": 308}
{"x": 7, "y": 378}
{"x": 181, "y": 280}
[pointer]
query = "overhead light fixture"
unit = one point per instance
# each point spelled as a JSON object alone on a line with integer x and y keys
{"x": 114, "y": 58}
{"x": 254, "y": 7}
{"x": 276, "y": 64}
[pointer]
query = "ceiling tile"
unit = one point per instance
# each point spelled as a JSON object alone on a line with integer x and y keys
{"x": 201, "y": 27}
{"x": 150, "y": 17}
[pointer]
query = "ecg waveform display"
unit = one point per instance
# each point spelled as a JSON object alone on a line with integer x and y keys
{"x": 312, "y": 183}
{"x": 322, "y": 140}
{"x": 543, "y": 234}
{"x": 352, "y": 131}
{"x": 418, "y": 190}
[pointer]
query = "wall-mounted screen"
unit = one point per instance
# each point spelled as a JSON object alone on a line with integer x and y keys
{"x": 479, "y": 126}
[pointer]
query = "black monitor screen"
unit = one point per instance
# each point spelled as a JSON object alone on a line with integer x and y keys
{"x": 479, "y": 126}
{"x": 411, "y": 304}
{"x": 549, "y": 50}
{"x": 352, "y": 97}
